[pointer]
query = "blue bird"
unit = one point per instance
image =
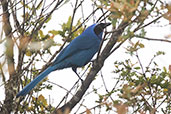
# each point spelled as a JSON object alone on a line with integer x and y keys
{"x": 78, "y": 53}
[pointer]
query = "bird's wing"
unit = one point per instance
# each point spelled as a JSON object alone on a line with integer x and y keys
{"x": 78, "y": 44}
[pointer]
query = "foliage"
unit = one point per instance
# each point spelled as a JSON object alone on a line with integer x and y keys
{"x": 140, "y": 89}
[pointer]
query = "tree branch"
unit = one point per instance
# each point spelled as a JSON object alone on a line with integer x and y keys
{"x": 152, "y": 39}
{"x": 9, "y": 91}
{"x": 8, "y": 33}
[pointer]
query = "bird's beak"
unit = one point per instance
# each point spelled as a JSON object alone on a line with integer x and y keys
{"x": 106, "y": 24}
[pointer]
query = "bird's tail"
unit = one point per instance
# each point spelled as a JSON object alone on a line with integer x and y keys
{"x": 33, "y": 83}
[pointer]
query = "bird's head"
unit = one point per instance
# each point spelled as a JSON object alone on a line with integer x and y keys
{"x": 98, "y": 29}
{"x": 95, "y": 30}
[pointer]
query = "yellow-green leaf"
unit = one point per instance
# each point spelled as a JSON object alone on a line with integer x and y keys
{"x": 28, "y": 53}
{"x": 54, "y": 32}
{"x": 41, "y": 33}
{"x": 48, "y": 19}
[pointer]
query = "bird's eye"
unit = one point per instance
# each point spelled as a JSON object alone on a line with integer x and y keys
{"x": 98, "y": 29}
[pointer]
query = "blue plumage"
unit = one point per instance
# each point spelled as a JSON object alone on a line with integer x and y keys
{"x": 77, "y": 54}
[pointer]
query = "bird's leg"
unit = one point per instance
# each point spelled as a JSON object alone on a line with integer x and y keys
{"x": 75, "y": 70}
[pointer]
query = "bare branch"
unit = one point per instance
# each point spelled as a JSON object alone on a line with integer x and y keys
{"x": 152, "y": 39}
{"x": 9, "y": 91}
{"x": 8, "y": 33}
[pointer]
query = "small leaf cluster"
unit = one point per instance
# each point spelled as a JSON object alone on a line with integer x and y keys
{"x": 144, "y": 88}
{"x": 67, "y": 28}
{"x": 37, "y": 105}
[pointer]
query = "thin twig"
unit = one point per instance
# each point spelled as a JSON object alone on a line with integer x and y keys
{"x": 68, "y": 91}
{"x": 152, "y": 39}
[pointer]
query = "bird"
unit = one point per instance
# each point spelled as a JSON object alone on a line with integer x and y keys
{"x": 76, "y": 54}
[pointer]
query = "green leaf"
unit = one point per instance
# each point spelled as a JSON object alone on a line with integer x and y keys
{"x": 141, "y": 45}
{"x": 143, "y": 32}
{"x": 164, "y": 68}
{"x": 68, "y": 24}
{"x": 49, "y": 18}
{"x": 160, "y": 53}
{"x": 54, "y": 32}
{"x": 41, "y": 33}
{"x": 137, "y": 68}
{"x": 28, "y": 53}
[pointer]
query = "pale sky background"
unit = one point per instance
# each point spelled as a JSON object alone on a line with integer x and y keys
{"x": 67, "y": 77}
